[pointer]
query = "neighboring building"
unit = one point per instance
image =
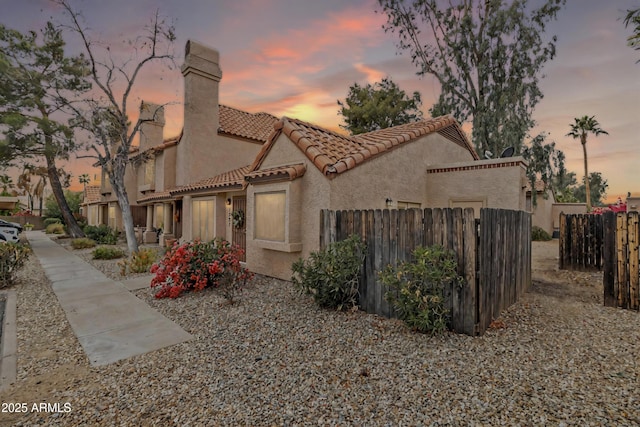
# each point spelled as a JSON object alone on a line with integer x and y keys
{"x": 260, "y": 182}
{"x": 542, "y": 212}
{"x": 633, "y": 204}
{"x": 90, "y": 207}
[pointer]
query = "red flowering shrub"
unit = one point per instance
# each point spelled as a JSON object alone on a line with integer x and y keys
{"x": 197, "y": 265}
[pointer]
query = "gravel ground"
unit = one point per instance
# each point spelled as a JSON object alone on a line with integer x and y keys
{"x": 555, "y": 358}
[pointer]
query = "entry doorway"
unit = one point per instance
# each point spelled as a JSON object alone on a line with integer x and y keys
{"x": 239, "y": 224}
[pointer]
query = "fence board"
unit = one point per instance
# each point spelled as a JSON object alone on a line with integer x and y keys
{"x": 469, "y": 295}
{"x": 634, "y": 272}
{"x": 609, "y": 257}
{"x": 621, "y": 249}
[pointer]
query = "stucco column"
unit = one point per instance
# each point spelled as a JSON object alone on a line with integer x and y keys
{"x": 186, "y": 219}
{"x": 149, "y": 235}
{"x": 168, "y": 218}
{"x": 149, "y": 217}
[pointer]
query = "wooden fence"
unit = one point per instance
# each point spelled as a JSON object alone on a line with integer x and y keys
{"x": 621, "y": 275}
{"x": 493, "y": 255}
{"x": 581, "y": 242}
{"x": 608, "y": 242}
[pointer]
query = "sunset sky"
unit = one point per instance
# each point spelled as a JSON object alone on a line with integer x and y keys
{"x": 297, "y": 57}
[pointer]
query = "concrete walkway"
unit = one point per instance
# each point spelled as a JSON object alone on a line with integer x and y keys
{"x": 111, "y": 323}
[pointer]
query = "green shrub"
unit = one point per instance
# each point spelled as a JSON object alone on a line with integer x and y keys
{"x": 140, "y": 262}
{"x": 82, "y": 243}
{"x": 106, "y": 252}
{"x": 331, "y": 275}
{"x": 538, "y": 234}
{"x": 416, "y": 289}
{"x": 102, "y": 234}
{"x": 197, "y": 265}
{"x": 55, "y": 228}
{"x": 12, "y": 258}
{"x": 49, "y": 221}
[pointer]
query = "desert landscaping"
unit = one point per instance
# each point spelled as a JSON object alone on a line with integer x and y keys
{"x": 557, "y": 357}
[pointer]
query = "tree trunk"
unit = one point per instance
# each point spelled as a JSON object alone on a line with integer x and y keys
{"x": 73, "y": 229}
{"x": 117, "y": 184}
{"x": 587, "y": 186}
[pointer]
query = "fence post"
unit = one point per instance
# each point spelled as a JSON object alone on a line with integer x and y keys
{"x": 609, "y": 259}
{"x": 563, "y": 239}
{"x": 469, "y": 295}
{"x": 621, "y": 252}
{"x": 633, "y": 228}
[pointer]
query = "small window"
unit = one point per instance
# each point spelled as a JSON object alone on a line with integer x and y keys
{"x": 112, "y": 217}
{"x": 158, "y": 216}
{"x": 203, "y": 219}
{"x": 270, "y": 216}
{"x": 409, "y": 205}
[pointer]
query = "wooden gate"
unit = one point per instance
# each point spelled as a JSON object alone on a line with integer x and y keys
{"x": 239, "y": 234}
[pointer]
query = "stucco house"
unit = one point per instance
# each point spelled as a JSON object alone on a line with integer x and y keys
{"x": 260, "y": 182}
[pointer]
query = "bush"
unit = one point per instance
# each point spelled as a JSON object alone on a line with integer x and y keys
{"x": 331, "y": 275}
{"x": 12, "y": 258}
{"x": 140, "y": 262}
{"x": 82, "y": 243}
{"x": 55, "y": 229}
{"x": 74, "y": 198}
{"x": 416, "y": 289}
{"x": 49, "y": 221}
{"x": 106, "y": 252}
{"x": 197, "y": 265}
{"x": 102, "y": 234}
{"x": 538, "y": 234}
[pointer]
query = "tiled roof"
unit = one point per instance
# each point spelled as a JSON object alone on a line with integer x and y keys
{"x": 92, "y": 194}
{"x": 256, "y": 126}
{"x": 289, "y": 172}
{"x": 333, "y": 153}
{"x": 160, "y": 195}
{"x": 233, "y": 178}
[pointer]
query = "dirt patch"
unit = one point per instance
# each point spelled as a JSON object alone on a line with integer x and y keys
{"x": 548, "y": 279}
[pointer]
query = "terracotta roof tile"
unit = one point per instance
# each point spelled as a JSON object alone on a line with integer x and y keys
{"x": 256, "y": 126}
{"x": 333, "y": 153}
{"x": 230, "y": 178}
{"x": 92, "y": 194}
{"x": 160, "y": 195}
{"x": 288, "y": 172}
{"x": 169, "y": 142}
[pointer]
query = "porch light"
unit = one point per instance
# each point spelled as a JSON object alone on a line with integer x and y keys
{"x": 389, "y": 202}
{"x": 228, "y": 202}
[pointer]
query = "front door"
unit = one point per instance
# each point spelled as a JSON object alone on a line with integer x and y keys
{"x": 239, "y": 225}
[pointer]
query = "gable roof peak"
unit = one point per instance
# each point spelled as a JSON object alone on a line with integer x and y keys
{"x": 333, "y": 153}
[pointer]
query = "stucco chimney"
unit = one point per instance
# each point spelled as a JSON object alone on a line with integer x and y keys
{"x": 202, "y": 74}
{"x": 151, "y": 132}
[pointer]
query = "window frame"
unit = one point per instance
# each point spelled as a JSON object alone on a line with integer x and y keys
{"x": 292, "y": 236}
{"x": 284, "y": 215}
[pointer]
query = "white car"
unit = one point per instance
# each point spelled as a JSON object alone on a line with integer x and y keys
{"x": 9, "y": 231}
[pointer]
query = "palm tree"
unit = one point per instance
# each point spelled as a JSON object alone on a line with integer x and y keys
{"x": 583, "y": 126}
{"x": 84, "y": 180}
